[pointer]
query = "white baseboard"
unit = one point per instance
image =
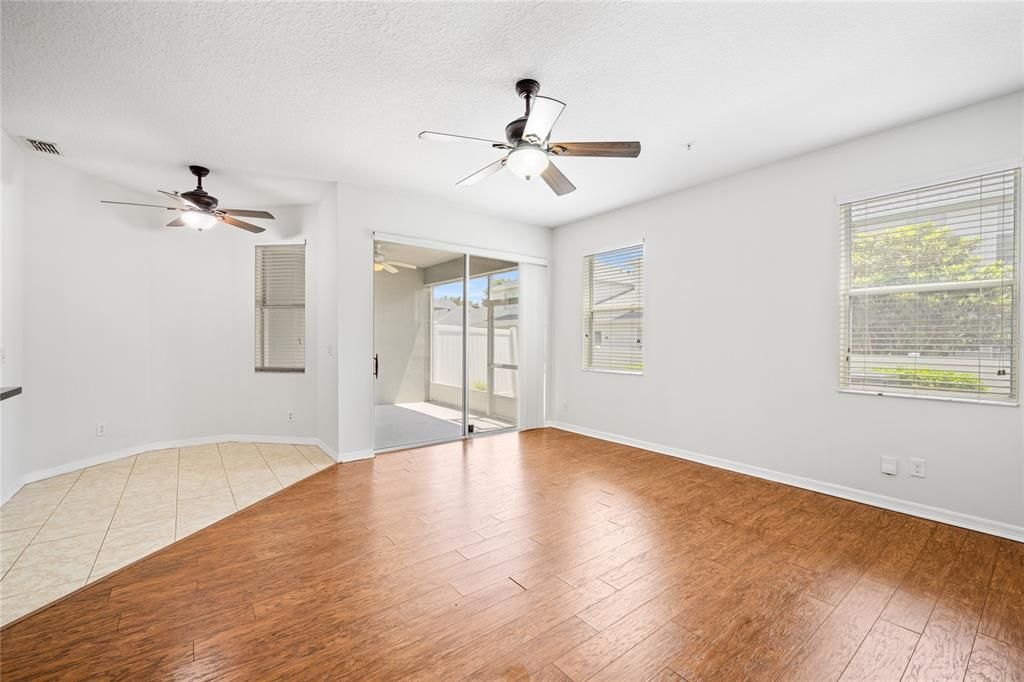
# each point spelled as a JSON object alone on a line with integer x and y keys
{"x": 355, "y": 455}
{"x": 953, "y": 518}
{"x": 77, "y": 464}
{"x": 331, "y": 452}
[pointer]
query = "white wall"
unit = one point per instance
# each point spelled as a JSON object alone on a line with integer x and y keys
{"x": 401, "y": 330}
{"x": 321, "y": 261}
{"x": 150, "y": 330}
{"x": 361, "y": 212}
{"x": 13, "y": 464}
{"x": 742, "y": 274}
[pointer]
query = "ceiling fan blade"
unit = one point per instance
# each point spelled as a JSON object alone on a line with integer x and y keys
{"x": 387, "y": 267}
{"x": 242, "y": 224}
{"x": 620, "y": 149}
{"x": 178, "y": 197}
{"x": 557, "y": 181}
{"x": 128, "y": 203}
{"x": 484, "y": 172}
{"x": 448, "y": 137}
{"x": 402, "y": 265}
{"x": 544, "y": 111}
{"x": 177, "y": 222}
{"x": 244, "y": 213}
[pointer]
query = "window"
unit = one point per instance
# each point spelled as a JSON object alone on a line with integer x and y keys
{"x": 613, "y": 310}
{"x": 928, "y": 291}
{"x": 280, "y": 307}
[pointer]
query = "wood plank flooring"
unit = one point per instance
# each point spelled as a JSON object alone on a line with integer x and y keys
{"x": 545, "y": 556}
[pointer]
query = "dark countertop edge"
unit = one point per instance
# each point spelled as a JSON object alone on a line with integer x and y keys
{"x": 9, "y": 392}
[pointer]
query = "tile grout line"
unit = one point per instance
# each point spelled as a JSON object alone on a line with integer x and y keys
{"x": 303, "y": 455}
{"x": 110, "y": 523}
{"x": 36, "y": 534}
{"x": 274, "y": 473}
{"x": 227, "y": 478}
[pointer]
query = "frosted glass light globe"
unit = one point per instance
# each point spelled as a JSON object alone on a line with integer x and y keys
{"x": 527, "y": 161}
{"x": 198, "y": 220}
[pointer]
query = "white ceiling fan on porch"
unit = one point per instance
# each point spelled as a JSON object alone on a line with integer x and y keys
{"x": 389, "y": 266}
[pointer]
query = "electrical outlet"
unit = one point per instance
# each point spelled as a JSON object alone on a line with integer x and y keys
{"x": 565, "y": 406}
{"x": 918, "y": 467}
{"x": 3, "y": 356}
{"x": 890, "y": 466}
{"x": 101, "y": 429}
{"x": 291, "y": 416}
{"x": 330, "y": 350}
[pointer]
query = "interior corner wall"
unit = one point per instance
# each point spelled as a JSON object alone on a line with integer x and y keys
{"x": 323, "y": 262}
{"x": 741, "y": 328}
{"x": 148, "y": 330}
{"x": 361, "y": 212}
{"x": 14, "y": 465}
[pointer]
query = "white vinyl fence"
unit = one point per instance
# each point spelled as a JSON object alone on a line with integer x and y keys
{"x": 446, "y": 357}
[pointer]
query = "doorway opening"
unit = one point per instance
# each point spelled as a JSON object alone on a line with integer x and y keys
{"x": 446, "y": 345}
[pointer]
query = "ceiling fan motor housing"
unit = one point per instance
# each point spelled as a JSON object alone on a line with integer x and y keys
{"x": 201, "y": 199}
{"x": 198, "y": 196}
{"x": 514, "y": 131}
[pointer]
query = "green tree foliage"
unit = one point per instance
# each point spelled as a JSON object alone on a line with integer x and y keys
{"x": 923, "y": 252}
{"x": 944, "y": 321}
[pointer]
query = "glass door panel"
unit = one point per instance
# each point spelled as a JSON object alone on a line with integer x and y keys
{"x": 492, "y": 345}
{"x": 418, "y": 296}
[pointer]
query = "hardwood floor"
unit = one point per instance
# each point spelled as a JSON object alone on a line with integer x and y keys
{"x": 547, "y": 556}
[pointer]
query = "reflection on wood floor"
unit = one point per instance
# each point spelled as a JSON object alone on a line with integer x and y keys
{"x": 545, "y": 555}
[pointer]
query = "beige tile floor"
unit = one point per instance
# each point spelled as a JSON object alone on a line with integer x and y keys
{"x": 58, "y": 534}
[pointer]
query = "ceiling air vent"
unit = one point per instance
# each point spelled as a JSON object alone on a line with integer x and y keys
{"x": 44, "y": 147}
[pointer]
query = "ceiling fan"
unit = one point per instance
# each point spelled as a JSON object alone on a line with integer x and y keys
{"x": 199, "y": 211}
{"x": 529, "y": 150}
{"x": 382, "y": 263}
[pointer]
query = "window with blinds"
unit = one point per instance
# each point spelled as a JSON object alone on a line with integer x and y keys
{"x": 929, "y": 302}
{"x": 613, "y": 310}
{"x": 280, "y": 307}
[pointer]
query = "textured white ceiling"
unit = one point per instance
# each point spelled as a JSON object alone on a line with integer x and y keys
{"x": 279, "y": 97}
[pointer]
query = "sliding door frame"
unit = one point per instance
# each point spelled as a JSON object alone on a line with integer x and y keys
{"x": 467, "y": 253}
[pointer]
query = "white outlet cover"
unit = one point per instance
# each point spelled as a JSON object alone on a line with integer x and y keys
{"x": 918, "y": 467}
{"x": 890, "y": 466}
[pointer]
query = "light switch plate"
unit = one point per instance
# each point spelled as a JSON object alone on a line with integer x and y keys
{"x": 890, "y": 466}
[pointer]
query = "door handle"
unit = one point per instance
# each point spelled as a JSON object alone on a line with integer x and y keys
{"x": 376, "y": 365}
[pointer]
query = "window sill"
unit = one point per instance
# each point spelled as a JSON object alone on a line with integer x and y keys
{"x": 613, "y": 371}
{"x": 938, "y": 398}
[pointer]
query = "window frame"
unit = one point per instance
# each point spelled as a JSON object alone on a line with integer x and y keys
{"x": 587, "y": 329}
{"x": 305, "y": 307}
{"x": 842, "y": 203}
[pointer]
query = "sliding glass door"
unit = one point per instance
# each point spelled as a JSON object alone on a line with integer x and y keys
{"x": 446, "y": 345}
{"x": 493, "y": 346}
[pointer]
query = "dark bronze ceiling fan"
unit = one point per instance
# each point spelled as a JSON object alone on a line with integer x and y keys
{"x": 199, "y": 210}
{"x": 528, "y": 146}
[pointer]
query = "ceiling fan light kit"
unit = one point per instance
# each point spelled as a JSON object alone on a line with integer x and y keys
{"x": 527, "y": 160}
{"x": 528, "y": 146}
{"x": 198, "y": 220}
{"x": 199, "y": 210}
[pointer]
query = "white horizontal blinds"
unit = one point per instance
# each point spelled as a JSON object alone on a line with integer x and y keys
{"x": 613, "y": 310}
{"x": 281, "y": 307}
{"x": 929, "y": 295}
